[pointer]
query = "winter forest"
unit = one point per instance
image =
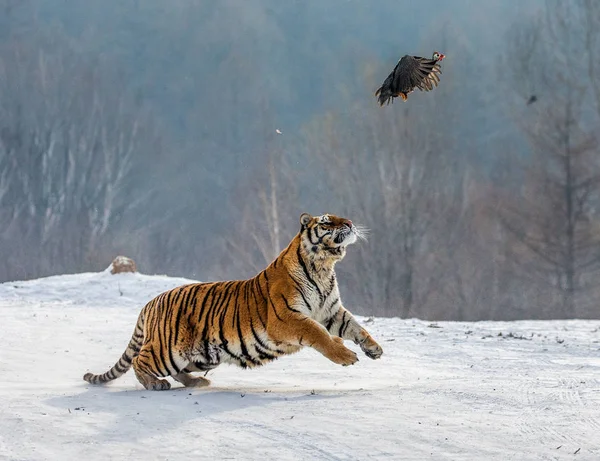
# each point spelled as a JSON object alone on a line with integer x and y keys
{"x": 150, "y": 129}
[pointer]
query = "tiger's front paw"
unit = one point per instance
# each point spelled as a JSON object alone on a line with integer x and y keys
{"x": 342, "y": 355}
{"x": 371, "y": 348}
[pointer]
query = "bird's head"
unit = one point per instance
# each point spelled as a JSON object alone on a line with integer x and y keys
{"x": 438, "y": 56}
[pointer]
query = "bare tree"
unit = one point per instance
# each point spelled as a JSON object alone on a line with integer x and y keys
{"x": 265, "y": 204}
{"x": 554, "y": 216}
{"x": 69, "y": 139}
{"x": 388, "y": 170}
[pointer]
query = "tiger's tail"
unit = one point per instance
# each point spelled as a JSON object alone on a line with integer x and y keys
{"x": 124, "y": 363}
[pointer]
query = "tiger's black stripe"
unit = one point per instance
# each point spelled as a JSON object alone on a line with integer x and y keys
{"x": 287, "y": 304}
{"x": 330, "y": 323}
{"x": 169, "y": 333}
{"x": 306, "y": 274}
{"x": 301, "y": 291}
{"x": 266, "y": 350}
{"x": 342, "y": 325}
{"x": 264, "y": 299}
{"x": 218, "y": 308}
{"x": 259, "y": 341}
{"x": 269, "y": 300}
{"x": 191, "y": 294}
{"x": 235, "y": 320}
{"x": 256, "y": 301}
{"x": 159, "y": 360}
{"x": 347, "y": 323}
{"x": 243, "y": 347}
{"x": 222, "y": 337}
{"x": 274, "y": 309}
{"x": 204, "y": 308}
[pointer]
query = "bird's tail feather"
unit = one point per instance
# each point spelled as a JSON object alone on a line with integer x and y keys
{"x": 384, "y": 95}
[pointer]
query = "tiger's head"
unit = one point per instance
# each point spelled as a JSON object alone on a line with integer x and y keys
{"x": 327, "y": 236}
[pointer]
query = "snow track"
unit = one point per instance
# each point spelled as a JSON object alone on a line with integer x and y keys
{"x": 442, "y": 391}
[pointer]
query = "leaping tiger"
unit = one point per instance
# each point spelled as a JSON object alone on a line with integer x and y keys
{"x": 293, "y": 303}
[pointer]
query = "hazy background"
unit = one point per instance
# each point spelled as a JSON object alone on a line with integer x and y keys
{"x": 147, "y": 128}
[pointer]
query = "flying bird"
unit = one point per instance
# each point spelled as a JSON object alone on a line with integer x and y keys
{"x": 533, "y": 98}
{"x": 411, "y": 72}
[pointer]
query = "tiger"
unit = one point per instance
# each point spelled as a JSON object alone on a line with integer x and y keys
{"x": 293, "y": 303}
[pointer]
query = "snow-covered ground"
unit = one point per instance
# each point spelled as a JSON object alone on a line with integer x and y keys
{"x": 446, "y": 391}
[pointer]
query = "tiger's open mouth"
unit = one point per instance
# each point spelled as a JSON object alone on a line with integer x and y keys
{"x": 343, "y": 235}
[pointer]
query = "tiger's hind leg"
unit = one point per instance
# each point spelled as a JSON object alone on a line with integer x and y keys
{"x": 148, "y": 379}
{"x": 191, "y": 381}
{"x": 203, "y": 358}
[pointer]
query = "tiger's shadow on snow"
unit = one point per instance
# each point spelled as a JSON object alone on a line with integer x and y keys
{"x": 139, "y": 413}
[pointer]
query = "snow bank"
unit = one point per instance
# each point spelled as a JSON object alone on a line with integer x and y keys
{"x": 444, "y": 391}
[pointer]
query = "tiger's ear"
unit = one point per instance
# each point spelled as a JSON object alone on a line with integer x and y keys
{"x": 305, "y": 219}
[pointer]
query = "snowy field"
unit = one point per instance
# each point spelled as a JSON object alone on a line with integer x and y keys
{"x": 444, "y": 391}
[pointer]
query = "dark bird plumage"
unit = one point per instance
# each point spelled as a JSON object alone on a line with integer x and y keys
{"x": 411, "y": 72}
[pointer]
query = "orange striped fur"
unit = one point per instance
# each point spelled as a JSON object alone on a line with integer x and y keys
{"x": 293, "y": 303}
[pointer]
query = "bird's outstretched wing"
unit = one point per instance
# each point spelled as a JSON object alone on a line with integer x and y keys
{"x": 432, "y": 80}
{"x": 415, "y": 72}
